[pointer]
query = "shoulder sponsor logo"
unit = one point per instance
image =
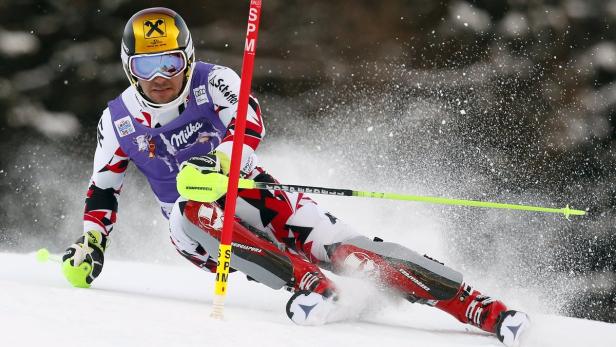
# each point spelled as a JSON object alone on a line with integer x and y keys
{"x": 224, "y": 88}
{"x": 200, "y": 95}
{"x": 182, "y": 137}
{"x": 124, "y": 126}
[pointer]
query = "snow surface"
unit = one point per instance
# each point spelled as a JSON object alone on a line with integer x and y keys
{"x": 143, "y": 304}
{"x": 147, "y": 304}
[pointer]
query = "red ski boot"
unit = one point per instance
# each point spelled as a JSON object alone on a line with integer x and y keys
{"x": 471, "y": 307}
{"x": 309, "y": 278}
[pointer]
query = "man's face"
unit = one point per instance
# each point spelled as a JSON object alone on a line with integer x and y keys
{"x": 162, "y": 90}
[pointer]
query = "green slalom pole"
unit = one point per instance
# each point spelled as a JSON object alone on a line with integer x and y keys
{"x": 194, "y": 185}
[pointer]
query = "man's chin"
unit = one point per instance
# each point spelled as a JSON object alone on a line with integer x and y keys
{"x": 162, "y": 99}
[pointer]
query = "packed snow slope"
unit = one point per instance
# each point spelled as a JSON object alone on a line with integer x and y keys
{"x": 139, "y": 304}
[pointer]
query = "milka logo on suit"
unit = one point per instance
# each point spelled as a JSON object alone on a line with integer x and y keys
{"x": 182, "y": 137}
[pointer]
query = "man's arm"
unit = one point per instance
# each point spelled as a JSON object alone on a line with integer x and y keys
{"x": 83, "y": 261}
{"x": 109, "y": 169}
{"x": 224, "y": 88}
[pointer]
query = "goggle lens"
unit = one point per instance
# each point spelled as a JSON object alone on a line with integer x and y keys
{"x": 167, "y": 65}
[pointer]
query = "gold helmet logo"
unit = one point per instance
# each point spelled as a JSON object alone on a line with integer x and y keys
{"x": 155, "y": 34}
{"x": 153, "y": 29}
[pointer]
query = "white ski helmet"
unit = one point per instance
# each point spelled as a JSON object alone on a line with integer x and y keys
{"x": 159, "y": 33}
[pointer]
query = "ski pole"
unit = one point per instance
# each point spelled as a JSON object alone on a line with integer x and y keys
{"x": 194, "y": 185}
{"x": 224, "y": 250}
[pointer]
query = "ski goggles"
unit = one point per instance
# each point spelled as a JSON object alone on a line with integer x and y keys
{"x": 165, "y": 64}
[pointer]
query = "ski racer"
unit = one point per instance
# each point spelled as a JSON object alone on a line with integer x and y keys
{"x": 179, "y": 114}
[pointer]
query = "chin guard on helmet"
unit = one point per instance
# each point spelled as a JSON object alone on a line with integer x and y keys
{"x": 157, "y": 30}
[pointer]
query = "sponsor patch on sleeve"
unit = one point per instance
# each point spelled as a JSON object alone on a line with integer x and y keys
{"x": 124, "y": 126}
{"x": 200, "y": 95}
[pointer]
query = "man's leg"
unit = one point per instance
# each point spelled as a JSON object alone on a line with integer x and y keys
{"x": 418, "y": 279}
{"x": 185, "y": 245}
{"x": 297, "y": 221}
{"x": 196, "y": 231}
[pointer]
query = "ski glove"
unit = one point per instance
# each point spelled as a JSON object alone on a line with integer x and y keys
{"x": 203, "y": 178}
{"x": 215, "y": 161}
{"x": 83, "y": 261}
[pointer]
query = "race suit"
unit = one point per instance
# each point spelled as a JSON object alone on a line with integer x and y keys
{"x": 158, "y": 142}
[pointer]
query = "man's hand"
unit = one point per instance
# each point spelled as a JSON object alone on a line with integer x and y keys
{"x": 215, "y": 161}
{"x": 83, "y": 261}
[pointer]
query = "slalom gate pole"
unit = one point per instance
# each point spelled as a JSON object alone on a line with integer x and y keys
{"x": 194, "y": 185}
{"x": 224, "y": 252}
